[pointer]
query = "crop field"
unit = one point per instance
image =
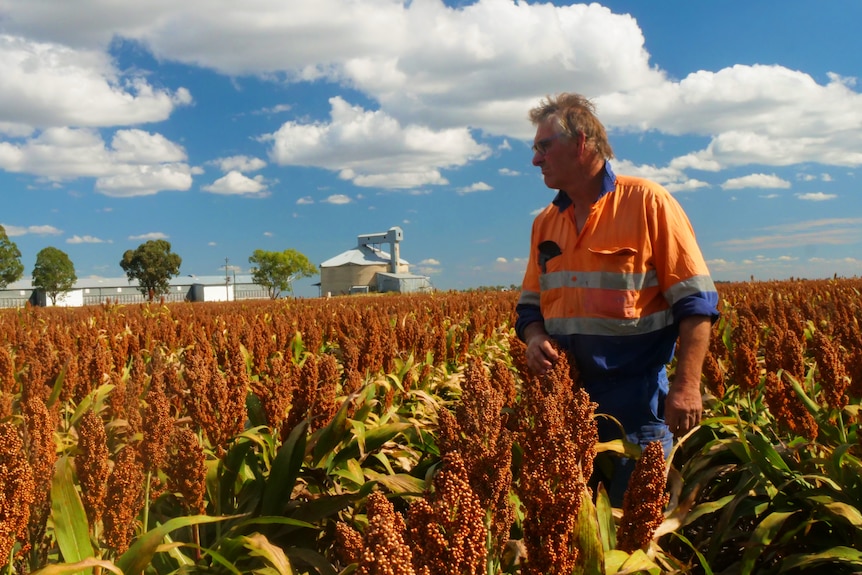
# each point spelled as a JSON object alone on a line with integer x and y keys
{"x": 402, "y": 434}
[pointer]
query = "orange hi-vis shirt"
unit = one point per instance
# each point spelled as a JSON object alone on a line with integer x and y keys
{"x": 614, "y": 293}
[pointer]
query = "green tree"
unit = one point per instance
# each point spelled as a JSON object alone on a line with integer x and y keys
{"x": 11, "y": 268}
{"x": 153, "y": 265}
{"x": 276, "y": 270}
{"x": 54, "y": 272}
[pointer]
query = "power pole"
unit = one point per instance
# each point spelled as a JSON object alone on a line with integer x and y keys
{"x": 226, "y": 281}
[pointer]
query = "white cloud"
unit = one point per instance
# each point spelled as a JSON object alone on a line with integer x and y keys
{"x": 137, "y": 163}
{"x": 508, "y": 172}
{"x": 305, "y": 201}
{"x": 337, "y": 199}
{"x": 686, "y": 186}
{"x": 477, "y": 187}
{"x": 673, "y": 179}
{"x": 429, "y": 262}
{"x": 236, "y": 184}
{"x": 240, "y": 164}
{"x": 829, "y": 232}
{"x": 150, "y": 236}
{"x": 816, "y": 197}
{"x": 427, "y": 104}
{"x": 277, "y": 109}
{"x": 46, "y": 85}
{"x": 755, "y": 181}
{"x": 13, "y": 231}
{"x": 373, "y": 149}
{"x": 86, "y": 240}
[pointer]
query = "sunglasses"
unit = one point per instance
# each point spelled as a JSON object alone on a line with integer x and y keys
{"x": 541, "y": 147}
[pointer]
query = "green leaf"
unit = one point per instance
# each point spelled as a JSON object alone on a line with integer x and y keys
{"x": 352, "y": 472}
{"x": 589, "y": 540}
{"x": 638, "y": 562}
{"x": 326, "y": 439}
{"x": 317, "y": 509}
{"x": 614, "y": 560}
{"x": 139, "y": 555}
{"x": 605, "y": 518}
{"x": 707, "y": 507}
{"x": 398, "y": 483}
{"x": 228, "y": 472}
{"x": 259, "y": 546}
{"x": 310, "y": 557}
{"x": 768, "y": 461}
{"x": 842, "y": 510}
{"x": 271, "y": 520}
{"x": 374, "y": 439}
{"x": 58, "y": 387}
{"x": 94, "y": 400}
{"x": 285, "y": 470}
{"x": 838, "y": 554}
{"x": 70, "y": 519}
{"x": 80, "y": 566}
{"x": 762, "y": 536}
{"x": 707, "y": 570}
{"x": 812, "y": 406}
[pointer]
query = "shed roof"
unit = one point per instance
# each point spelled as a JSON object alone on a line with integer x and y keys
{"x": 365, "y": 255}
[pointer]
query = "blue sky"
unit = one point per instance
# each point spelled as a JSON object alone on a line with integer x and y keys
{"x": 226, "y": 127}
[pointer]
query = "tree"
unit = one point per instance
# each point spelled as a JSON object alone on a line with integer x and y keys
{"x": 276, "y": 270}
{"x": 54, "y": 272}
{"x": 11, "y": 268}
{"x": 152, "y": 264}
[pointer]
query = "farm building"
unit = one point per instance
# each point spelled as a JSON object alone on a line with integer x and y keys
{"x": 367, "y": 268}
{"x": 92, "y": 291}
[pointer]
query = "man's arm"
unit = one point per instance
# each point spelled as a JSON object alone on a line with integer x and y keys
{"x": 684, "y": 404}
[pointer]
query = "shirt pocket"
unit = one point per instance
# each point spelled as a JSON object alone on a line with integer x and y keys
{"x": 613, "y": 295}
{"x": 617, "y": 259}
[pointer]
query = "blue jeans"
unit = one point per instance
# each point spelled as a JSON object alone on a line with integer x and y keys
{"x": 638, "y": 404}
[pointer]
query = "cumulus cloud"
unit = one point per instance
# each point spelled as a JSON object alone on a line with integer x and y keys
{"x": 239, "y": 163}
{"x": 337, "y": 199}
{"x": 86, "y": 240}
{"x": 477, "y": 187}
{"x": 46, "y": 84}
{"x": 373, "y": 149}
{"x": 236, "y": 184}
{"x": 136, "y": 163}
{"x": 45, "y": 230}
{"x": 831, "y": 231}
{"x": 755, "y": 181}
{"x": 673, "y": 179}
{"x": 816, "y": 197}
{"x": 150, "y": 236}
{"x": 751, "y": 114}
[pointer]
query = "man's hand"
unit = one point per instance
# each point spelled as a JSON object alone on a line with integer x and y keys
{"x": 683, "y": 407}
{"x": 541, "y": 354}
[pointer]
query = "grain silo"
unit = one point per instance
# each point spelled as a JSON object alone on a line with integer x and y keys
{"x": 367, "y": 268}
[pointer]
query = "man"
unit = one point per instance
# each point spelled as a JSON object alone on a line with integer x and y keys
{"x": 615, "y": 277}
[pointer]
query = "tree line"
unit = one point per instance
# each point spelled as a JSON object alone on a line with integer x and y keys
{"x": 152, "y": 265}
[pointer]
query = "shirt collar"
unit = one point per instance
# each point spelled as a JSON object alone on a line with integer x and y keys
{"x": 609, "y": 182}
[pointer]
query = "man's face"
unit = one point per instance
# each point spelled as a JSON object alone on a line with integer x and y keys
{"x": 555, "y": 154}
